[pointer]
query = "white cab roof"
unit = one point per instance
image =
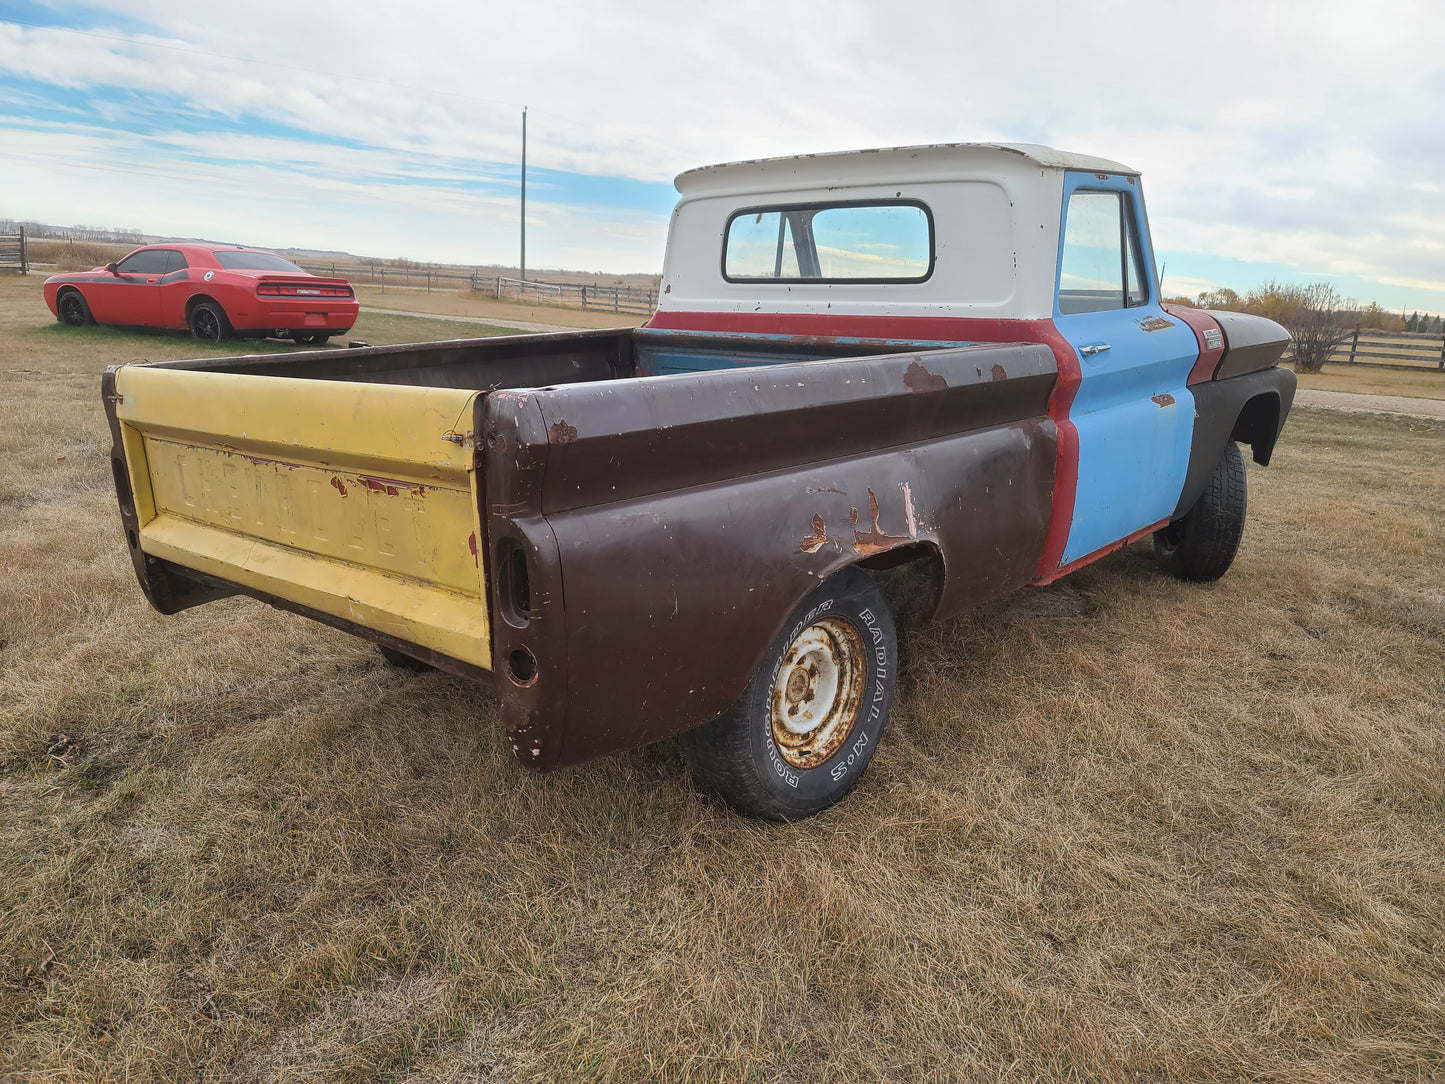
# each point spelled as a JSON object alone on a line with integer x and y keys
{"x": 886, "y": 164}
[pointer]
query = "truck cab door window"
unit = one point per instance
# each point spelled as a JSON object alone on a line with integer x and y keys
{"x": 1100, "y": 269}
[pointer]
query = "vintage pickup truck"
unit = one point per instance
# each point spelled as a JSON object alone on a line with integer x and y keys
{"x": 950, "y": 358}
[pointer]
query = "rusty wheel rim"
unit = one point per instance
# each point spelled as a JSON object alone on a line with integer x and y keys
{"x": 817, "y": 691}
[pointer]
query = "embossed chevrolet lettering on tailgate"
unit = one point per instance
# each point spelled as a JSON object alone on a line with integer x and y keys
{"x": 360, "y": 518}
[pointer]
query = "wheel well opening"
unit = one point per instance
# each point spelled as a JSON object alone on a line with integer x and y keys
{"x": 912, "y": 581}
{"x": 1258, "y": 426}
{"x": 196, "y": 300}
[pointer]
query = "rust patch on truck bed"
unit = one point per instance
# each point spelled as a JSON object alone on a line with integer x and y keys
{"x": 917, "y": 378}
{"x": 1164, "y": 399}
{"x": 875, "y": 541}
{"x": 818, "y": 539}
{"x": 561, "y": 433}
{"x": 392, "y": 487}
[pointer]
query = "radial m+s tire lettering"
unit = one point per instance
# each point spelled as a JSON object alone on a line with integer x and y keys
{"x": 1200, "y": 545}
{"x": 208, "y": 322}
{"x": 72, "y": 310}
{"x": 813, "y": 712}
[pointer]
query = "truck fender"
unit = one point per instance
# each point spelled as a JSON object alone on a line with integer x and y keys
{"x": 1250, "y": 408}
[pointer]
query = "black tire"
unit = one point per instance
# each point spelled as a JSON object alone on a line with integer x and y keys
{"x": 401, "y": 660}
{"x": 208, "y": 322}
{"x": 761, "y": 764}
{"x": 72, "y": 310}
{"x": 1201, "y": 544}
{"x": 310, "y": 340}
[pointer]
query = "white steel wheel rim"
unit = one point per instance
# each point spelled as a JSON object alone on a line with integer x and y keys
{"x": 817, "y": 691}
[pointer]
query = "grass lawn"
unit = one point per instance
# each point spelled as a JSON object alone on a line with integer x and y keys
{"x": 1119, "y": 828}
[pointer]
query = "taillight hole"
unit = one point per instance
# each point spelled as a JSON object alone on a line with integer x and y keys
{"x": 522, "y": 666}
{"x": 513, "y": 584}
{"x": 122, "y": 486}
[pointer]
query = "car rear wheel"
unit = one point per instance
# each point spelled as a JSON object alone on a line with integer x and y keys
{"x": 208, "y": 322}
{"x": 73, "y": 310}
{"x": 811, "y": 716}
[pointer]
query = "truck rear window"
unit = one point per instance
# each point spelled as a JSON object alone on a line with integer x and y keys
{"x": 886, "y": 241}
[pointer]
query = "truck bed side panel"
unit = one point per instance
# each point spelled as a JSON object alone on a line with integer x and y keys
{"x": 691, "y": 514}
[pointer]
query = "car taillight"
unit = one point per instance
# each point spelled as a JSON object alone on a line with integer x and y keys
{"x": 287, "y": 289}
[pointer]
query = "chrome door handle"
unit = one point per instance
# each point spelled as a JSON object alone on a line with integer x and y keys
{"x": 1096, "y": 348}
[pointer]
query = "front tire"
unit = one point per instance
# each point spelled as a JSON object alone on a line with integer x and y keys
{"x": 208, "y": 322}
{"x": 1201, "y": 544}
{"x": 72, "y": 310}
{"x": 812, "y": 713}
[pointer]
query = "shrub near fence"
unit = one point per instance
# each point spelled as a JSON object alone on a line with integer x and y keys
{"x": 13, "y": 253}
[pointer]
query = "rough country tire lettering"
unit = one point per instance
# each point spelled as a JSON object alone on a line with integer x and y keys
{"x": 811, "y": 716}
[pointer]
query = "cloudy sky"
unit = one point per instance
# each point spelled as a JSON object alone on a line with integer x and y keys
{"x": 1277, "y": 139}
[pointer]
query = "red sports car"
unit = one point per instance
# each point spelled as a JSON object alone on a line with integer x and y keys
{"x": 214, "y": 291}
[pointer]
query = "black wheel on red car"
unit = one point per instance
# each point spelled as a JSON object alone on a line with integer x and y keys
{"x": 310, "y": 340}
{"x": 1201, "y": 544}
{"x": 72, "y": 310}
{"x": 208, "y": 322}
{"x": 813, "y": 711}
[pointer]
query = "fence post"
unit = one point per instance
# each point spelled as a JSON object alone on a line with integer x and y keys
{"x": 1442, "y": 355}
{"x": 428, "y": 282}
{"x": 24, "y": 266}
{"x": 1354, "y": 345}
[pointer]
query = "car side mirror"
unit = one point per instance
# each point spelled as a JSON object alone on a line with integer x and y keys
{"x": 111, "y": 267}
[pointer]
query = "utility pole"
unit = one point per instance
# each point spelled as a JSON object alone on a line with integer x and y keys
{"x": 524, "y": 193}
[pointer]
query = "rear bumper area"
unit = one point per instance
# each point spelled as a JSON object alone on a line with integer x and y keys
{"x": 302, "y": 318}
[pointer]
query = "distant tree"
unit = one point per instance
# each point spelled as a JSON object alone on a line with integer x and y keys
{"x": 1314, "y": 315}
{"x": 1222, "y": 298}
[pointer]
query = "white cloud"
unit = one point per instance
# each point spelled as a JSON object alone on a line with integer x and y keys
{"x": 1255, "y": 139}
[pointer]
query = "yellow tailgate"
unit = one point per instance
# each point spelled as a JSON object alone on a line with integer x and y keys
{"x": 344, "y": 497}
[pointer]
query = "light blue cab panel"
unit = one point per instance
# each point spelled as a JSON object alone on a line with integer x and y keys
{"x": 1133, "y": 411}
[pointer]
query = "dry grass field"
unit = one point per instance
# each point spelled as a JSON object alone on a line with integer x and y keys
{"x": 1122, "y": 828}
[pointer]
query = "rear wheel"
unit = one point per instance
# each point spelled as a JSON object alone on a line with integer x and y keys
{"x": 813, "y": 712}
{"x": 208, "y": 322}
{"x": 72, "y": 309}
{"x": 1201, "y": 544}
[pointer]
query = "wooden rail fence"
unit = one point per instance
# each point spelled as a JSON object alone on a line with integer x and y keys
{"x": 1407, "y": 350}
{"x": 592, "y": 296}
{"x": 13, "y": 252}
{"x": 608, "y": 297}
